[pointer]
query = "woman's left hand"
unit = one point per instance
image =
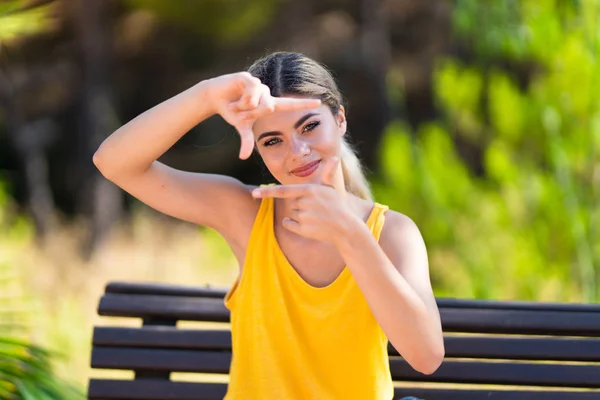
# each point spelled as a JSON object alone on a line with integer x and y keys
{"x": 318, "y": 210}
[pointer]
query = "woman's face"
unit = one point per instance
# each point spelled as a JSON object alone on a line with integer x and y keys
{"x": 295, "y": 144}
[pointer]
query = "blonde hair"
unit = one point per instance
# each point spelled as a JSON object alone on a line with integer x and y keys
{"x": 295, "y": 73}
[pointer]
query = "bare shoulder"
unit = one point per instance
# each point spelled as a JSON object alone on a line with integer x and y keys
{"x": 233, "y": 213}
{"x": 241, "y": 212}
{"x": 220, "y": 202}
{"x": 399, "y": 226}
{"x": 401, "y": 238}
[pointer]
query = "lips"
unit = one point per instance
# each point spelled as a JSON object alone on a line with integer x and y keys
{"x": 306, "y": 169}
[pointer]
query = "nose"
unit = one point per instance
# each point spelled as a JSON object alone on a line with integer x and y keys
{"x": 299, "y": 148}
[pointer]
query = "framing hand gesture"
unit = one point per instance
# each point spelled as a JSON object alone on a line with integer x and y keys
{"x": 242, "y": 99}
{"x": 318, "y": 210}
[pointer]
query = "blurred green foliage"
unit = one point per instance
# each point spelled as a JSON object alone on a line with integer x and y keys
{"x": 230, "y": 21}
{"x": 27, "y": 369}
{"x": 526, "y": 224}
{"x": 15, "y": 23}
{"x": 25, "y": 373}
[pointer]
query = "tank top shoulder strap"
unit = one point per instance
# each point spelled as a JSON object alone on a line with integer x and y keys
{"x": 376, "y": 219}
{"x": 262, "y": 226}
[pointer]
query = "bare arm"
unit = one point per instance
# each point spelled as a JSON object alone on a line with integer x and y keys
{"x": 128, "y": 156}
{"x": 133, "y": 148}
{"x": 394, "y": 277}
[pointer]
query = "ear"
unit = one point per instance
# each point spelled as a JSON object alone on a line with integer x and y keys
{"x": 341, "y": 120}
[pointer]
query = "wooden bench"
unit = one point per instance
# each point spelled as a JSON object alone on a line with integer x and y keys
{"x": 494, "y": 350}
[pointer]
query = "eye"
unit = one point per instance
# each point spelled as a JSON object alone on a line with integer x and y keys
{"x": 311, "y": 126}
{"x": 271, "y": 142}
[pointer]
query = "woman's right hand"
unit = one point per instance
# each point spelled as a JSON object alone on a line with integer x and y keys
{"x": 241, "y": 99}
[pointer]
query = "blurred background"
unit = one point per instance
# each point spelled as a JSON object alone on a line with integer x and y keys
{"x": 478, "y": 119}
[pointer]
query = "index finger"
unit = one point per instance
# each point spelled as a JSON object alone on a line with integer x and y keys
{"x": 247, "y": 141}
{"x": 280, "y": 191}
{"x": 291, "y": 103}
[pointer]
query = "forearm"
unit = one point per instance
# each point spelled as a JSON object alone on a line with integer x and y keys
{"x": 412, "y": 328}
{"x": 136, "y": 145}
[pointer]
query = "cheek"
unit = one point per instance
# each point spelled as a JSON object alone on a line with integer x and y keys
{"x": 273, "y": 160}
{"x": 326, "y": 141}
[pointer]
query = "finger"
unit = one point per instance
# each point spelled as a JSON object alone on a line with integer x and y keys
{"x": 329, "y": 170}
{"x": 266, "y": 106}
{"x": 250, "y": 97}
{"x": 245, "y": 79}
{"x": 247, "y": 115}
{"x": 280, "y": 191}
{"x": 295, "y": 205}
{"x": 238, "y": 106}
{"x": 253, "y": 98}
{"x": 248, "y": 101}
{"x": 292, "y": 225}
{"x": 291, "y": 103}
{"x": 234, "y": 106}
{"x": 266, "y": 100}
{"x": 246, "y": 139}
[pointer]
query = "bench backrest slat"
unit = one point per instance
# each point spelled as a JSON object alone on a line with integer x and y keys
{"x": 161, "y": 360}
{"x": 496, "y": 320}
{"x": 153, "y": 306}
{"x": 462, "y": 394}
{"x": 208, "y": 291}
{"x": 513, "y": 348}
{"x": 147, "y": 389}
{"x": 528, "y": 322}
{"x": 523, "y": 348}
{"x": 503, "y": 373}
{"x": 163, "y": 337}
{"x": 102, "y": 389}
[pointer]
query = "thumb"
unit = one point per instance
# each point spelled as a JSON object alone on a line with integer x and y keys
{"x": 329, "y": 170}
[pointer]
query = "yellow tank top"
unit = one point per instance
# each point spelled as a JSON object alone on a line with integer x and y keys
{"x": 294, "y": 341}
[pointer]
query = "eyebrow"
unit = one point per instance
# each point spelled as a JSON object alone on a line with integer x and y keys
{"x": 296, "y": 125}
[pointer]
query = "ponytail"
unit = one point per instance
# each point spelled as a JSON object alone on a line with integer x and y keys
{"x": 354, "y": 177}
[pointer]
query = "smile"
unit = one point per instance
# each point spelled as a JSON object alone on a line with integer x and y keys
{"x": 306, "y": 169}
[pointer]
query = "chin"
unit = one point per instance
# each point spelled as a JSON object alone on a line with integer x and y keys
{"x": 297, "y": 180}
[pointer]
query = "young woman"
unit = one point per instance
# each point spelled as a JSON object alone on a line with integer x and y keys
{"x": 324, "y": 283}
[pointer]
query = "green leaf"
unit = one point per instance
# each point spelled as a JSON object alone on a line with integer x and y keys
{"x": 15, "y": 24}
